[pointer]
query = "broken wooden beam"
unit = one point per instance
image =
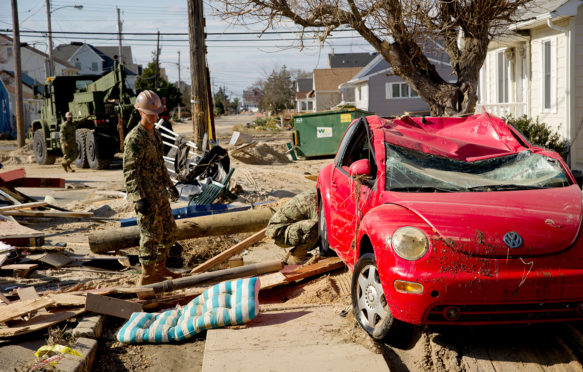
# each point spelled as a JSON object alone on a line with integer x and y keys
{"x": 222, "y": 224}
{"x": 23, "y": 206}
{"x": 37, "y": 182}
{"x": 20, "y": 270}
{"x": 216, "y": 276}
{"x": 12, "y": 175}
{"x": 38, "y": 322}
{"x": 15, "y": 234}
{"x": 20, "y": 308}
{"x": 223, "y": 256}
{"x": 286, "y": 276}
{"x": 52, "y": 214}
{"x": 111, "y": 306}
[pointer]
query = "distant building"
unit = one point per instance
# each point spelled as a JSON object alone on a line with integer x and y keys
{"x": 34, "y": 67}
{"x": 305, "y": 95}
{"x": 326, "y": 82}
{"x": 338, "y": 60}
{"x": 251, "y": 100}
{"x": 377, "y": 89}
{"x": 99, "y": 60}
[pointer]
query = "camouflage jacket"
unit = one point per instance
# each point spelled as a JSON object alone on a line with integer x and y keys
{"x": 300, "y": 207}
{"x": 143, "y": 166}
{"x": 67, "y": 132}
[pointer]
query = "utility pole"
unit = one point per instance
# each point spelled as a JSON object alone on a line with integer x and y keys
{"x": 179, "y": 88}
{"x": 119, "y": 30}
{"x": 199, "y": 98}
{"x": 157, "y": 61}
{"x": 49, "y": 28}
{"x": 17, "y": 76}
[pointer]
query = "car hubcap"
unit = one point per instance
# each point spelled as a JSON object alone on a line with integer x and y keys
{"x": 371, "y": 299}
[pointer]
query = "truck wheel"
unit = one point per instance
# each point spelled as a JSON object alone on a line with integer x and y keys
{"x": 41, "y": 154}
{"x": 81, "y": 161}
{"x": 97, "y": 156}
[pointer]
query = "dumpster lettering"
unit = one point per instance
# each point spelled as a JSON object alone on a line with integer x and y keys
{"x": 324, "y": 132}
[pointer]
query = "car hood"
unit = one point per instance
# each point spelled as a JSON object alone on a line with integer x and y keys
{"x": 476, "y": 222}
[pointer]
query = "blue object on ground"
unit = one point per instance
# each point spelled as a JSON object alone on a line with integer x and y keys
{"x": 227, "y": 303}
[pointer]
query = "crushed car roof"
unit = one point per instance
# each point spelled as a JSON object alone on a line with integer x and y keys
{"x": 467, "y": 138}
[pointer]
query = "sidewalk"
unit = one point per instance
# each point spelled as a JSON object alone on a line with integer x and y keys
{"x": 304, "y": 339}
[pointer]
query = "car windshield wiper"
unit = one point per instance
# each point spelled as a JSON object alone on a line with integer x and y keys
{"x": 505, "y": 187}
{"x": 423, "y": 189}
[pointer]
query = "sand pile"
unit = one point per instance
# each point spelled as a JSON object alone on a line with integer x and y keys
{"x": 263, "y": 154}
{"x": 23, "y": 155}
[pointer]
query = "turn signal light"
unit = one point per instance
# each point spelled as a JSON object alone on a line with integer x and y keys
{"x": 408, "y": 287}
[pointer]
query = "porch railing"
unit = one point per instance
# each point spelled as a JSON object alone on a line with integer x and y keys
{"x": 515, "y": 109}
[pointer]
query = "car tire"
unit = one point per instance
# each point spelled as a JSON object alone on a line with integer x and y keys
{"x": 325, "y": 249}
{"x": 41, "y": 154}
{"x": 80, "y": 138}
{"x": 370, "y": 304}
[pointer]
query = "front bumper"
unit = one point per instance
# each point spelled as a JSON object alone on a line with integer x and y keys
{"x": 486, "y": 290}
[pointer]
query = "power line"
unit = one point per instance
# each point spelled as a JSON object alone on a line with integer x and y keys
{"x": 176, "y": 33}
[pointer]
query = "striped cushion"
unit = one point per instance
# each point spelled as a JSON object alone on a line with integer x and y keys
{"x": 227, "y": 303}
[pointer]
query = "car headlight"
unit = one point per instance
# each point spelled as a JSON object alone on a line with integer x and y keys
{"x": 410, "y": 243}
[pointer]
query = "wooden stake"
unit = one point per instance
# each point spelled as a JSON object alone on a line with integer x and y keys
{"x": 223, "y": 256}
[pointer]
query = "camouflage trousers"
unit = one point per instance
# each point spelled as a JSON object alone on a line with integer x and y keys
{"x": 157, "y": 232}
{"x": 301, "y": 235}
{"x": 70, "y": 153}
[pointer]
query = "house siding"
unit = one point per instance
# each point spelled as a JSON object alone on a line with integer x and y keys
{"x": 556, "y": 116}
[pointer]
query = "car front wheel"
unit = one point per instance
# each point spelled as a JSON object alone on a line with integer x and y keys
{"x": 369, "y": 302}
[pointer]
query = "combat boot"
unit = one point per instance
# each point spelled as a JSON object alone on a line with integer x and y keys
{"x": 150, "y": 275}
{"x": 162, "y": 270}
{"x": 64, "y": 164}
{"x": 69, "y": 166}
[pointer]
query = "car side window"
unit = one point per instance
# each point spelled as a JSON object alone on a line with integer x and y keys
{"x": 357, "y": 147}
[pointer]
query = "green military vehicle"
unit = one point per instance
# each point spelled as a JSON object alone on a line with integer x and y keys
{"x": 102, "y": 108}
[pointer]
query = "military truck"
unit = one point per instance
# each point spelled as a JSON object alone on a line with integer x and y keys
{"x": 102, "y": 107}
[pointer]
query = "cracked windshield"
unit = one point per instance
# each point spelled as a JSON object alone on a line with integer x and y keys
{"x": 413, "y": 171}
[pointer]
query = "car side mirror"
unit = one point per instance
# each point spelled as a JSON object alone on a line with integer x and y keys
{"x": 359, "y": 168}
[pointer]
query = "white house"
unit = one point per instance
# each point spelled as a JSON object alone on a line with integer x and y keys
{"x": 536, "y": 69}
{"x": 98, "y": 60}
{"x": 34, "y": 67}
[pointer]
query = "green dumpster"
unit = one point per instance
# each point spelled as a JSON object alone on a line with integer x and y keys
{"x": 320, "y": 133}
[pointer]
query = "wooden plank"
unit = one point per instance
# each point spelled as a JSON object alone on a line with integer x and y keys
{"x": 27, "y": 293}
{"x": 111, "y": 306}
{"x": 3, "y": 258}
{"x": 16, "y": 309}
{"x": 68, "y": 299}
{"x": 322, "y": 266}
{"x": 4, "y": 299}
{"x": 20, "y": 270}
{"x": 39, "y": 322}
{"x": 272, "y": 280}
{"x": 56, "y": 259}
{"x": 23, "y": 206}
{"x": 223, "y": 256}
{"x": 12, "y": 175}
{"x": 38, "y": 182}
{"x": 54, "y": 214}
{"x": 14, "y": 230}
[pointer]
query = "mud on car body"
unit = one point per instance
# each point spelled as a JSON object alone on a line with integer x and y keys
{"x": 452, "y": 221}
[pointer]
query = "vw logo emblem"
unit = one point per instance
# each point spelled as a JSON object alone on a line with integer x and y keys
{"x": 512, "y": 239}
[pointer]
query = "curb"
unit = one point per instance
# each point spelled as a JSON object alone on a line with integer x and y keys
{"x": 88, "y": 330}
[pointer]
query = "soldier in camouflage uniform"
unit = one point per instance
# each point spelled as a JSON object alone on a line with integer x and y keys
{"x": 68, "y": 142}
{"x": 149, "y": 186}
{"x": 295, "y": 224}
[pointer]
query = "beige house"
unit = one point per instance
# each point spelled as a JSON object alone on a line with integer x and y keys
{"x": 536, "y": 69}
{"x": 326, "y": 82}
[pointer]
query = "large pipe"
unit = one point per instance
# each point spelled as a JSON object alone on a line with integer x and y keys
{"x": 219, "y": 224}
{"x": 216, "y": 276}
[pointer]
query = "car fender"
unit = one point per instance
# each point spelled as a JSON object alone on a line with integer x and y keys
{"x": 379, "y": 225}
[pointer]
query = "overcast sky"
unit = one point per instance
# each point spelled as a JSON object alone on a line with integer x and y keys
{"x": 233, "y": 64}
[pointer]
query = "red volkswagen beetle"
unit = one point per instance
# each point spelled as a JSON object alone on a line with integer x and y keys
{"x": 452, "y": 221}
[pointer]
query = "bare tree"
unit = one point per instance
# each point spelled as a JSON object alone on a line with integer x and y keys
{"x": 399, "y": 30}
